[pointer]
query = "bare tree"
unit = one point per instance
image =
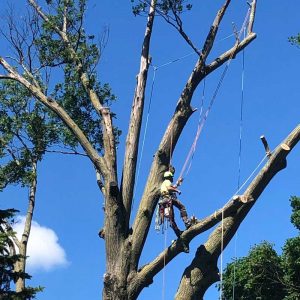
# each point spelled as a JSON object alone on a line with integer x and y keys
{"x": 125, "y": 278}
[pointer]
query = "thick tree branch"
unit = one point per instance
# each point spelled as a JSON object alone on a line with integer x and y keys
{"x": 115, "y": 217}
{"x": 8, "y": 76}
{"x": 233, "y": 213}
{"x": 162, "y": 158}
{"x": 56, "y": 108}
{"x": 31, "y": 205}
{"x": 252, "y": 17}
{"x": 133, "y": 136}
{"x": 229, "y": 54}
{"x": 146, "y": 273}
{"x": 108, "y": 135}
{"x": 20, "y": 265}
{"x": 64, "y": 26}
{"x": 220, "y": 237}
{"x": 210, "y": 39}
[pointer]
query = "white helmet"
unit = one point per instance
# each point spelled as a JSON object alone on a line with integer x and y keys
{"x": 168, "y": 174}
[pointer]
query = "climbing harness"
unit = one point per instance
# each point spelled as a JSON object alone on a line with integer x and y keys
{"x": 164, "y": 213}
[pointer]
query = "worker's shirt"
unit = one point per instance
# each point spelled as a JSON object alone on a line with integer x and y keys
{"x": 164, "y": 187}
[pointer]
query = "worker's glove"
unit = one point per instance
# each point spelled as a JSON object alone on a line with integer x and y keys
{"x": 179, "y": 181}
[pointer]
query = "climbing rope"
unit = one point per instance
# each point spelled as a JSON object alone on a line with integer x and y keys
{"x": 240, "y": 144}
{"x": 199, "y": 128}
{"x": 164, "y": 273}
{"x": 205, "y": 115}
{"x": 145, "y": 133}
{"x": 221, "y": 259}
{"x": 155, "y": 68}
{"x": 241, "y": 120}
{"x": 222, "y": 222}
{"x": 239, "y": 163}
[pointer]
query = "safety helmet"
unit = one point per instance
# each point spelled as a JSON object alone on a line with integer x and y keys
{"x": 168, "y": 174}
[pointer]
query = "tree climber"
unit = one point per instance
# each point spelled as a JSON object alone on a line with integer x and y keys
{"x": 168, "y": 200}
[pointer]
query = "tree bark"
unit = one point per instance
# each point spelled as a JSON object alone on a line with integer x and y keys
{"x": 133, "y": 135}
{"x": 181, "y": 115}
{"x": 22, "y": 245}
{"x": 203, "y": 271}
{"x": 124, "y": 279}
{"x": 118, "y": 248}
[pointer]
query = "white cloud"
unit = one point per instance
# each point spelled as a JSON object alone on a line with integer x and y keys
{"x": 44, "y": 252}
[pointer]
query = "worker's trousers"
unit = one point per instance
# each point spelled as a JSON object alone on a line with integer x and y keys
{"x": 166, "y": 208}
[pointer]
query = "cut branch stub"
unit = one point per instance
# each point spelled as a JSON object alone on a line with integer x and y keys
{"x": 265, "y": 143}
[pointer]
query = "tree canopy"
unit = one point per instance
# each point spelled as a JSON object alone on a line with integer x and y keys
{"x": 8, "y": 258}
{"x": 54, "y": 100}
{"x": 264, "y": 274}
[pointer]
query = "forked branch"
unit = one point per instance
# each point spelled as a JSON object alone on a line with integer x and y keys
{"x": 235, "y": 210}
{"x": 133, "y": 135}
{"x": 239, "y": 45}
{"x": 168, "y": 143}
{"x": 222, "y": 235}
{"x": 108, "y": 135}
{"x": 61, "y": 113}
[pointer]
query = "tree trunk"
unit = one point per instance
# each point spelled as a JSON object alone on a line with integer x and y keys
{"x": 21, "y": 264}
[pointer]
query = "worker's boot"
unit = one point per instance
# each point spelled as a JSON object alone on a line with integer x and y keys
{"x": 187, "y": 222}
{"x": 193, "y": 220}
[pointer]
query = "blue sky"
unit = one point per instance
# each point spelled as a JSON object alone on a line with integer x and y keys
{"x": 68, "y": 200}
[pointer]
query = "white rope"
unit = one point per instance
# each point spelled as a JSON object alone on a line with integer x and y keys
{"x": 189, "y": 54}
{"x": 234, "y": 266}
{"x": 221, "y": 259}
{"x": 164, "y": 275}
{"x": 253, "y": 172}
{"x": 239, "y": 162}
{"x": 145, "y": 133}
{"x": 155, "y": 68}
{"x": 242, "y": 30}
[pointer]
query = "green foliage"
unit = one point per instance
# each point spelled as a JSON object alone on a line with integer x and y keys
{"x": 7, "y": 260}
{"x": 265, "y": 275}
{"x": 295, "y": 40}
{"x": 258, "y": 275}
{"x": 27, "y": 128}
{"x": 295, "y": 217}
{"x": 291, "y": 266}
{"x": 163, "y": 6}
{"x": 25, "y": 133}
{"x": 291, "y": 255}
{"x": 70, "y": 93}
